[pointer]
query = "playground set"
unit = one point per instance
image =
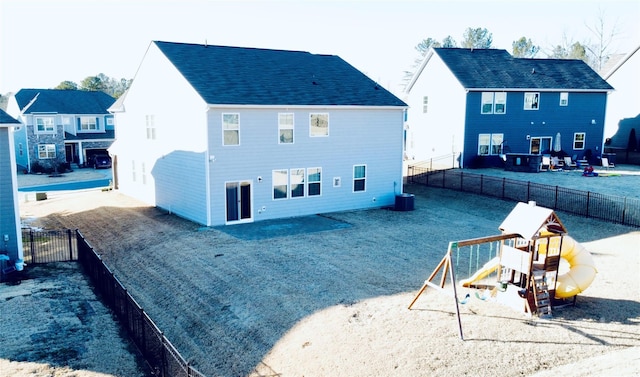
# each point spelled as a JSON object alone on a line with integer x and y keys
{"x": 533, "y": 266}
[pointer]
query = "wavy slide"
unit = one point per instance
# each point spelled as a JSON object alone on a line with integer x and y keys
{"x": 579, "y": 277}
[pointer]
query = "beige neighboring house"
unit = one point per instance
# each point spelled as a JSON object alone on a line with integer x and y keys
{"x": 10, "y": 235}
{"x": 623, "y": 104}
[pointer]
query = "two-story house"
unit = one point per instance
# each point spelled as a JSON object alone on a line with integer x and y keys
{"x": 478, "y": 104}
{"x": 224, "y": 135}
{"x": 10, "y": 235}
{"x": 60, "y": 126}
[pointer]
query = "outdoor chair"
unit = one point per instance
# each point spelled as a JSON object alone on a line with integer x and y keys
{"x": 569, "y": 163}
{"x": 546, "y": 163}
{"x": 606, "y": 164}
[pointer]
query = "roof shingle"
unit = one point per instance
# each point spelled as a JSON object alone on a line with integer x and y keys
{"x": 64, "y": 101}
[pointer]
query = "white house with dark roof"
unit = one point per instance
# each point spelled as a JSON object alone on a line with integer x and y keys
{"x": 61, "y": 126}
{"x": 10, "y": 234}
{"x": 225, "y": 135}
{"x": 473, "y": 106}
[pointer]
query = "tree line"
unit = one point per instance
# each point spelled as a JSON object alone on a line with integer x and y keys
{"x": 101, "y": 82}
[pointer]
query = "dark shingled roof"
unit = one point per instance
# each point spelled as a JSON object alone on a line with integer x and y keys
{"x": 107, "y": 134}
{"x": 7, "y": 119}
{"x": 497, "y": 69}
{"x": 250, "y": 76}
{"x": 64, "y": 101}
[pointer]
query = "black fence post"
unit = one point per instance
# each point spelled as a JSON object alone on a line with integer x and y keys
{"x": 70, "y": 245}
{"x": 588, "y": 200}
{"x": 31, "y": 246}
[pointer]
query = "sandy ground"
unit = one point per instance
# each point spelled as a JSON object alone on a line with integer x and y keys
{"x": 334, "y": 302}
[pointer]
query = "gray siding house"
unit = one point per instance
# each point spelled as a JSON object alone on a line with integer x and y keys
{"x": 61, "y": 127}
{"x": 10, "y": 235}
{"x": 225, "y": 135}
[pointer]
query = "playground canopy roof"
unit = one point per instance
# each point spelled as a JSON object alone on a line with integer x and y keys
{"x": 528, "y": 219}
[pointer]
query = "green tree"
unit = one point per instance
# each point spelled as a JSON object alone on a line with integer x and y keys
{"x": 67, "y": 85}
{"x": 92, "y": 84}
{"x": 573, "y": 51}
{"x": 524, "y": 48}
{"x": 449, "y": 42}
{"x": 477, "y": 38}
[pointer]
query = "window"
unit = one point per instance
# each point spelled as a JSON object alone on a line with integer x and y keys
{"x": 133, "y": 171}
{"x": 45, "y": 124}
{"x": 564, "y": 99}
{"x": 285, "y": 128}
{"x": 230, "y": 129}
{"x": 359, "y": 177}
{"x": 314, "y": 181}
{"x": 578, "y": 140}
{"x": 143, "y": 172}
{"x": 109, "y": 121}
{"x": 531, "y": 101}
{"x": 88, "y": 124}
{"x": 490, "y": 144}
{"x": 318, "y": 125}
{"x": 46, "y": 151}
{"x": 20, "y": 149}
{"x": 296, "y": 181}
{"x": 425, "y": 104}
{"x": 280, "y": 184}
{"x": 150, "y": 121}
{"x": 494, "y": 103}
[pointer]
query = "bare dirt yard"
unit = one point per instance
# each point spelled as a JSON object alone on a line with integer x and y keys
{"x": 328, "y": 295}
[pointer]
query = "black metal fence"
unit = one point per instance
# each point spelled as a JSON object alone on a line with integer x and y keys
{"x": 161, "y": 355}
{"x": 610, "y": 208}
{"x": 46, "y": 246}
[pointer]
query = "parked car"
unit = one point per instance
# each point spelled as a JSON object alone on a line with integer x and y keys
{"x": 101, "y": 161}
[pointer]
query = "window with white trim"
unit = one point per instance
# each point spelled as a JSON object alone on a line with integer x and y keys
{"x": 296, "y": 182}
{"x": 88, "y": 124}
{"x": 531, "y": 101}
{"x": 494, "y": 103}
{"x": 230, "y": 129}
{"x": 280, "y": 182}
{"x": 110, "y": 121}
{"x": 46, "y": 151}
{"x": 578, "y": 140}
{"x": 150, "y": 124}
{"x": 143, "y": 172}
{"x": 45, "y": 124}
{"x": 314, "y": 181}
{"x": 285, "y": 128}
{"x": 133, "y": 170}
{"x": 318, "y": 124}
{"x": 425, "y": 104}
{"x": 490, "y": 144}
{"x": 359, "y": 178}
{"x": 564, "y": 99}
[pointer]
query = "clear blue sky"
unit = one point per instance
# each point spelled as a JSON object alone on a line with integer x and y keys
{"x": 45, "y": 42}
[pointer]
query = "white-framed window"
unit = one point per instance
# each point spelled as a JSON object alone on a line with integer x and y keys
{"x": 296, "y": 182}
{"x": 150, "y": 124}
{"x": 318, "y": 124}
{"x": 490, "y": 144}
{"x": 143, "y": 172}
{"x": 230, "y": 129}
{"x": 88, "y": 124}
{"x": 314, "y": 181}
{"x": 564, "y": 99}
{"x": 110, "y": 121}
{"x": 45, "y": 124}
{"x": 285, "y": 128}
{"x": 531, "y": 101}
{"x": 133, "y": 170}
{"x": 359, "y": 178}
{"x": 494, "y": 103}
{"x": 425, "y": 104}
{"x": 578, "y": 140}
{"x": 46, "y": 151}
{"x": 280, "y": 182}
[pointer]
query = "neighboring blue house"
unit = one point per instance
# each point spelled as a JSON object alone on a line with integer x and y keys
{"x": 61, "y": 126}
{"x": 472, "y": 106}
{"x": 10, "y": 234}
{"x": 224, "y": 135}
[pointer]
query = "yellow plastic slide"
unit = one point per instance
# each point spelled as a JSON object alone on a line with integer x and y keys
{"x": 483, "y": 272}
{"x": 582, "y": 269}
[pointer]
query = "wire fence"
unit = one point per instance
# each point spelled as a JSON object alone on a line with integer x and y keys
{"x": 616, "y": 209}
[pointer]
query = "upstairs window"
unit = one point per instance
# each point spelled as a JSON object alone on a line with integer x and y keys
{"x": 285, "y": 128}
{"x": 150, "y": 123}
{"x": 231, "y": 129}
{"x": 45, "y": 124}
{"x": 359, "y": 178}
{"x": 494, "y": 103}
{"x": 46, "y": 151}
{"x": 531, "y": 101}
{"x": 578, "y": 140}
{"x": 88, "y": 124}
{"x": 564, "y": 99}
{"x": 318, "y": 125}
